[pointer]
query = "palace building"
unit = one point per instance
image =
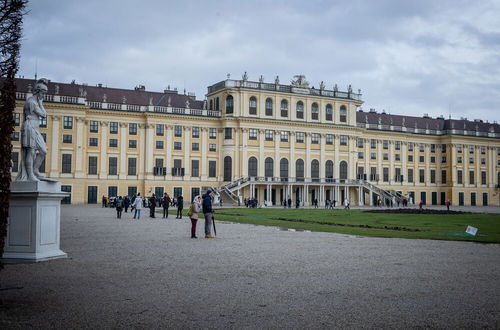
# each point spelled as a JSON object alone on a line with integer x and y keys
{"x": 268, "y": 141}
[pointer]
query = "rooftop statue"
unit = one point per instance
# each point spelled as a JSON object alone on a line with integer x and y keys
{"x": 300, "y": 81}
{"x": 277, "y": 80}
{"x": 245, "y": 76}
{"x": 33, "y": 148}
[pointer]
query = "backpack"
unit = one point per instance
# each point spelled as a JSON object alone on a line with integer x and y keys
{"x": 190, "y": 211}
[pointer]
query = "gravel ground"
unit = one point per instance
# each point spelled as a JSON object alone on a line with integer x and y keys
{"x": 150, "y": 274}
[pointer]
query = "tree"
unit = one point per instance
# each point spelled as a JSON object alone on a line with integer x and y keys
{"x": 11, "y": 18}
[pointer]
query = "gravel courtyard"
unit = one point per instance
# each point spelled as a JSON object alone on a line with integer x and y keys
{"x": 149, "y": 273}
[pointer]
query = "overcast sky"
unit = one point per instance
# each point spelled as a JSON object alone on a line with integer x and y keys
{"x": 407, "y": 57}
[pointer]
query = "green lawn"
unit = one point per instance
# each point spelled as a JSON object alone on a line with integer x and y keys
{"x": 357, "y": 222}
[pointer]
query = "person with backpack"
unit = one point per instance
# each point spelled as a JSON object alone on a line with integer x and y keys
{"x": 137, "y": 205}
{"x": 165, "y": 203}
{"x": 208, "y": 212}
{"x": 119, "y": 207}
{"x": 180, "y": 206}
{"x": 152, "y": 206}
{"x": 193, "y": 212}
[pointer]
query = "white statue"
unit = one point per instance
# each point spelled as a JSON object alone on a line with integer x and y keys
{"x": 245, "y": 76}
{"x": 187, "y": 104}
{"x": 33, "y": 148}
{"x": 322, "y": 86}
{"x": 261, "y": 79}
{"x": 277, "y": 80}
{"x": 169, "y": 102}
{"x": 300, "y": 81}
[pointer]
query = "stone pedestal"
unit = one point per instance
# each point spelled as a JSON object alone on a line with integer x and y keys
{"x": 33, "y": 231}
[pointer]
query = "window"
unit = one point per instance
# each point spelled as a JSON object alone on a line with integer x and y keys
{"x": 94, "y": 126}
{"x": 314, "y": 138}
{"x": 68, "y": 122}
{"x": 422, "y": 159}
{"x": 433, "y": 148}
{"x": 160, "y": 130}
{"x": 159, "y": 144}
{"x": 284, "y": 168}
{"x": 443, "y": 176}
{"x": 15, "y": 161}
{"x": 471, "y": 160}
{"x": 443, "y": 159}
{"x": 471, "y": 149}
{"x": 329, "y": 112}
{"x": 113, "y": 127}
{"x": 92, "y": 165}
{"x": 212, "y": 168}
{"x": 483, "y": 177}
{"x": 397, "y": 145}
{"x": 252, "y": 133}
{"x": 443, "y": 148}
{"x": 177, "y": 145}
{"x": 433, "y": 159}
{"x": 269, "y": 134}
{"x": 397, "y": 157}
{"x": 66, "y": 163}
{"x": 329, "y": 170}
{"x": 113, "y": 166}
{"x": 471, "y": 177}
{"x": 498, "y": 151}
{"x": 252, "y": 108}
{"x": 132, "y": 163}
{"x": 43, "y": 122}
{"x": 359, "y": 142}
{"x": 195, "y": 167}
{"x": 66, "y": 199}
{"x": 421, "y": 147}
{"x": 385, "y": 174}
{"x": 195, "y": 132}
{"x": 177, "y": 131}
{"x": 459, "y": 148}
{"x": 269, "y": 107}
{"x": 195, "y": 146}
{"x": 132, "y": 129}
{"x": 410, "y": 175}
{"x": 385, "y": 156}
{"x": 252, "y": 166}
{"x": 15, "y": 136}
{"x": 212, "y": 147}
{"x": 315, "y": 169}
{"x": 284, "y": 136}
{"x": 433, "y": 176}
{"x": 410, "y": 158}
{"x": 228, "y": 133}
{"x": 229, "y": 104}
{"x": 314, "y": 111}
{"x": 410, "y": 146}
{"x": 343, "y": 140}
{"x": 67, "y": 138}
{"x": 459, "y": 160}
{"x": 93, "y": 142}
{"x": 17, "y": 119}
{"x": 212, "y": 133}
{"x": 284, "y": 108}
{"x": 373, "y": 144}
{"x": 459, "y": 177}
{"x": 299, "y": 169}
{"x": 421, "y": 176}
{"x": 299, "y": 137}
{"x": 329, "y": 139}
{"x": 268, "y": 167}
{"x": 178, "y": 190}
{"x": 132, "y": 144}
{"x": 373, "y": 174}
{"x": 300, "y": 110}
{"x": 483, "y": 161}
{"x": 361, "y": 155}
{"x": 343, "y": 114}
{"x": 113, "y": 143}
{"x": 385, "y": 144}
{"x": 373, "y": 156}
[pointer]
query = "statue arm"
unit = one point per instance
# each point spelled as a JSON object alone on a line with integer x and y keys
{"x": 39, "y": 109}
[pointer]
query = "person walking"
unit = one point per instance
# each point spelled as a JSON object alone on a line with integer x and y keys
{"x": 208, "y": 212}
{"x": 104, "y": 202}
{"x": 180, "y": 206}
{"x": 152, "y": 205}
{"x": 346, "y": 204}
{"x": 420, "y": 205}
{"x": 165, "y": 203}
{"x": 289, "y": 202}
{"x": 137, "y": 204}
{"x": 297, "y": 203}
{"x": 195, "y": 210}
{"x": 126, "y": 203}
{"x": 119, "y": 207}
{"x": 447, "y": 203}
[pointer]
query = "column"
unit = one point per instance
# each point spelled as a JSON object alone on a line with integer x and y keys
{"x": 392, "y": 171}
{"x": 367, "y": 158}
{"x": 322, "y": 156}
{"x": 404, "y": 159}
{"x": 80, "y": 146}
{"x": 427, "y": 165}
{"x": 477, "y": 153}
{"x": 236, "y": 173}
{"x": 454, "y": 164}
{"x": 307, "y": 163}
{"x": 380, "y": 171}
{"x": 291, "y": 161}
{"x": 371, "y": 197}
{"x": 187, "y": 153}
{"x": 491, "y": 167}
{"x": 260, "y": 163}
{"x": 336, "y": 161}
{"x": 123, "y": 151}
{"x": 465, "y": 160}
{"x": 104, "y": 150}
{"x": 204, "y": 159}
{"x": 352, "y": 159}
{"x": 244, "y": 157}
{"x": 277, "y": 138}
{"x": 54, "y": 152}
{"x": 145, "y": 168}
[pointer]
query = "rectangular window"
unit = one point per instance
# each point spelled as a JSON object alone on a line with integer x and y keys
{"x": 443, "y": 148}
{"x": 471, "y": 177}
{"x": 483, "y": 161}
{"x": 422, "y": 176}
{"x": 471, "y": 149}
{"x": 66, "y": 199}
{"x": 471, "y": 160}
{"x": 212, "y": 147}
{"x": 443, "y": 159}
{"x": 385, "y": 174}
{"x": 68, "y": 122}
{"x": 132, "y": 166}
{"x": 385, "y": 156}
{"x": 498, "y": 151}
{"x": 113, "y": 165}
{"x": 228, "y": 133}
{"x": 113, "y": 127}
{"x": 15, "y": 136}
{"x": 43, "y": 122}
{"x": 459, "y": 160}
{"x": 314, "y": 138}
{"x": 459, "y": 148}
{"x": 299, "y": 137}
{"x": 160, "y": 129}
{"x": 113, "y": 143}
{"x": 343, "y": 140}
{"x": 269, "y": 134}
{"x": 373, "y": 174}
{"x": 252, "y": 133}
{"x": 361, "y": 155}
{"x": 132, "y": 129}
{"x": 67, "y": 138}
{"x": 373, "y": 144}
{"x": 66, "y": 163}
{"x": 92, "y": 165}
{"x": 459, "y": 177}
{"x": 212, "y": 168}
{"x": 422, "y": 159}
{"x": 483, "y": 177}
{"x": 410, "y": 175}
{"x": 433, "y": 148}
{"x": 15, "y": 161}
{"x": 385, "y": 144}
{"x": 195, "y": 146}
{"x": 421, "y": 147}
{"x": 177, "y": 191}
{"x": 93, "y": 142}
{"x": 397, "y": 145}
{"x": 433, "y": 176}
{"x": 410, "y": 146}
{"x": 177, "y": 145}
{"x": 410, "y": 158}
{"x": 373, "y": 155}
{"x": 17, "y": 119}
{"x": 132, "y": 144}
{"x": 159, "y": 144}
{"x": 443, "y": 177}
{"x": 433, "y": 159}
{"x": 177, "y": 131}
{"x": 359, "y": 142}
{"x": 94, "y": 126}
{"x": 397, "y": 157}
{"x": 329, "y": 139}
{"x": 212, "y": 133}
{"x": 195, "y": 167}
{"x": 284, "y": 136}
{"x": 195, "y": 132}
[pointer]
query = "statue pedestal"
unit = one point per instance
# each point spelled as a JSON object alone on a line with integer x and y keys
{"x": 33, "y": 231}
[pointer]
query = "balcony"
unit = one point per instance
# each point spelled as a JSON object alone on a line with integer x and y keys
{"x": 177, "y": 171}
{"x": 159, "y": 171}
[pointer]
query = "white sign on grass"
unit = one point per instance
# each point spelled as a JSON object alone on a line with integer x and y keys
{"x": 471, "y": 230}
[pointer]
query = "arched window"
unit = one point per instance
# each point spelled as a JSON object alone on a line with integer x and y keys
{"x": 252, "y": 166}
{"x": 217, "y": 108}
{"x": 228, "y": 168}
{"x": 269, "y": 107}
{"x": 329, "y": 170}
{"x": 252, "y": 108}
{"x": 211, "y": 107}
{"x": 268, "y": 167}
{"x": 299, "y": 170}
{"x": 343, "y": 170}
{"x": 343, "y": 114}
{"x": 315, "y": 170}
{"x": 314, "y": 111}
{"x": 300, "y": 109}
{"x": 329, "y": 112}
{"x": 284, "y": 169}
{"x": 284, "y": 108}
{"x": 229, "y": 104}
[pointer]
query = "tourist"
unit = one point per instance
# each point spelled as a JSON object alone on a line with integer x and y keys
{"x": 165, "y": 203}
{"x": 104, "y": 201}
{"x": 297, "y": 203}
{"x": 315, "y": 202}
{"x": 137, "y": 205}
{"x": 289, "y": 202}
{"x": 119, "y": 207}
{"x": 284, "y": 203}
{"x": 447, "y": 203}
{"x": 180, "y": 206}
{"x": 126, "y": 203}
{"x": 208, "y": 212}
{"x": 152, "y": 206}
{"x": 195, "y": 210}
{"x": 334, "y": 202}
{"x": 347, "y": 204}
{"x": 420, "y": 204}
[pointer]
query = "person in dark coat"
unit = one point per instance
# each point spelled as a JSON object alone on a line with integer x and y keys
{"x": 289, "y": 202}
{"x": 165, "y": 203}
{"x": 119, "y": 207}
{"x": 152, "y": 206}
{"x": 208, "y": 212}
{"x": 180, "y": 206}
{"x": 126, "y": 203}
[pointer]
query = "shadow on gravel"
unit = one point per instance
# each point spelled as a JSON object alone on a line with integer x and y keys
{"x": 397, "y": 228}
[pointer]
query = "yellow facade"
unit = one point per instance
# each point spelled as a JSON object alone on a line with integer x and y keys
{"x": 242, "y": 120}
